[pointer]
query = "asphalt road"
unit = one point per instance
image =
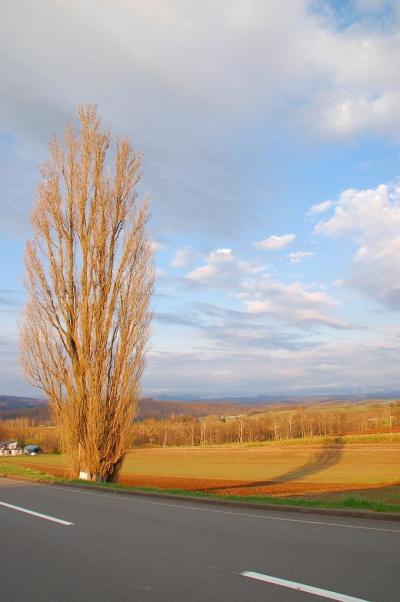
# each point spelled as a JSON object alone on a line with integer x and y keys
{"x": 121, "y": 548}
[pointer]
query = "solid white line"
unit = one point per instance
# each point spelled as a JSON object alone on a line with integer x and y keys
{"x": 309, "y": 589}
{"x": 137, "y": 500}
{"x": 37, "y": 514}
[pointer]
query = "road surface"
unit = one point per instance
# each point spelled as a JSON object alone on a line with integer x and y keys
{"x": 60, "y": 544}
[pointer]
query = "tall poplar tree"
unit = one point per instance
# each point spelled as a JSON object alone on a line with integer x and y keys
{"x": 89, "y": 276}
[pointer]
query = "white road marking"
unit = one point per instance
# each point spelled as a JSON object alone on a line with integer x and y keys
{"x": 212, "y": 510}
{"x": 301, "y": 587}
{"x": 60, "y": 521}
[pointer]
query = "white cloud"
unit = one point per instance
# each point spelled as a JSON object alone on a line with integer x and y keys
{"x": 185, "y": 80}
{"x": 182, "y": 258}
{"x": 319, "y": 208}
{"x": 224, "y": 58}
{"x": 372, "y": 213}
{"x": 299, "y": 256}
{"x": 339, "y": 282}
{"x": 225, "y": 78}
{"x": 346, "y": 114}
{"x": 276, "y": 242}
{"x": 249, "y": 283}
{"x": 292, "y": 304}
{"x": 334, "y": 366}
{"x": 157, "y": 246}
{"x": 371, "y": 218}
{"x": 223, "y": 269}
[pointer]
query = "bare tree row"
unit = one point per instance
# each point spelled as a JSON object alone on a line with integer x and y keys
{"x": 274, "y": 425}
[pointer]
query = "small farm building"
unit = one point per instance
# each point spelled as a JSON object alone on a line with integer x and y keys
{"x": 10, "y": 448}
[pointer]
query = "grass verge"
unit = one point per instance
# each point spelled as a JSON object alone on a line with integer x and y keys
{"x": 349, "y": 503}
{"x": 15, "y": 470}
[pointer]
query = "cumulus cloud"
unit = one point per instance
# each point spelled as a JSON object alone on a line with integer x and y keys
{"x": 371, "y": 218}
{"x": 276, "y": 243}
{"x": 182, "y": 257}
{"x": 373, "y": 213}
{"x": 300, "y": 256}
{"x": 319, "y": 208}
{"x": 345, "y": 114}
{"x": 222, "y": 269}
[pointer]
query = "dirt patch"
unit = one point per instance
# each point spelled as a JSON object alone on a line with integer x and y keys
{"x": 230, "y": 487}
{"x": 56, "y": 471}
{"x": 227, "y": 486}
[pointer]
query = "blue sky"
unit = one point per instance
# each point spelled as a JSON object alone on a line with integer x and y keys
{"x": 270, "y": 133}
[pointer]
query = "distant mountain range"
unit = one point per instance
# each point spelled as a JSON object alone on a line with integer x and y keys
{"x": 12, "y": 406}
{"x": 8, "y": 402}
{"x": 315, "y": 396}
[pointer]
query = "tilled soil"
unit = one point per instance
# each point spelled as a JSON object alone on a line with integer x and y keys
{"x": 225, "y": 486}
{"x": 242, "y": 488}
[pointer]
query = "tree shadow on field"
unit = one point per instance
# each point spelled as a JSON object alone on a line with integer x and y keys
{"x": 327, "y": 456}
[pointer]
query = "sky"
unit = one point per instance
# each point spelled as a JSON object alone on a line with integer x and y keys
{"x": 270, "y": 136}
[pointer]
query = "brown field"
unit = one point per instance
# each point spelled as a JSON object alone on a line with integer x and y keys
{"x": 282, "y": 470}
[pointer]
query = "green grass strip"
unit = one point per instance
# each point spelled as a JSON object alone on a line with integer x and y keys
{"x": 15, "y": 470}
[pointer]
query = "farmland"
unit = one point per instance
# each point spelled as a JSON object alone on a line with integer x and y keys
{"x": 334, "y": 449}
{"x": 325, "y": 466}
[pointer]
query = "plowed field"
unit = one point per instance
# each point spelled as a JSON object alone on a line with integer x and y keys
{"x": 283, "y": 470}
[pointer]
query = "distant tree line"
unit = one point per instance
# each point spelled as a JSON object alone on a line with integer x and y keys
{"x": 27, "y": 431}
{"x": 275, "y": 424}
{"x": 272, "y": 425}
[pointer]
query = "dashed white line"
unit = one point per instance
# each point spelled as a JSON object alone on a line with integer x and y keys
{"x": 302, "y": 587}
{"x": 60, "y": 521}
